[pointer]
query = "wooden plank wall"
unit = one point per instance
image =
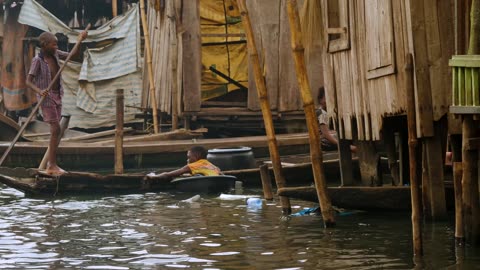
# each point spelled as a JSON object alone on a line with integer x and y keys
{"x": 161, "y": 27}
{"x": 351, "y": 96}
{"x": 272, "y": 36}
{"x": 432, "y": 41}
{"x": 265, "y": 16}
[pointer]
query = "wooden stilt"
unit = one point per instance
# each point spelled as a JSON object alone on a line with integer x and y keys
{"x": 369, "y": 159}
{"x": 457, "y": 185}
{"x": 434, "y": 153}
{"x": 425, "y": 183}
{"x": 390, "y": 144}
{"x": 309, "y": 108}
{"x": 346, "y": 164}
{"x": 148, "y": 57}
{"x": 63, "y": 126}
{"x": 412, "y": 149}
{"x": 470, "y": 181}
{"x": 265, "y": 106}
{"x": 403, "y": 157}
{"x": 266, "y": 182}
{"x": 119, "y": 133}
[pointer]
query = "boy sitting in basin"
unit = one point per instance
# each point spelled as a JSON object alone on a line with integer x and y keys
{"x": 197, "y": 164}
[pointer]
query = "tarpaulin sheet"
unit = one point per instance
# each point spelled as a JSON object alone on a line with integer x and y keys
{"x": 226, "y": 54}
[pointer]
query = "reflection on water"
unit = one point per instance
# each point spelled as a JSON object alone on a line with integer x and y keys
{"x": 159, "y": 231}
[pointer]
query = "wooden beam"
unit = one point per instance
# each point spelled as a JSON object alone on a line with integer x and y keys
{"x": 119, "y": 132}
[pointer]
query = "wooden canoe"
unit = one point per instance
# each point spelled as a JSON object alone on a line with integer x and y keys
{"x": 391, "y": 198}
{"x": 34, "y": 182}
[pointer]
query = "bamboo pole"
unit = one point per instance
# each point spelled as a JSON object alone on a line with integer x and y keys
{"x": 457, "y": 185}
{"x": 114, "y": 8}
{"x": 316, "y": 156}
{"x": 63, "y": 126}
{"x": 265, "y": 105}
{"x": 148, "y": 54}
{"x": 119, "y": 132}
{"x": 266, "y": 182}
{"x": 35, "y": 109}
{"x": 174, "y": 62}
{"x": 412, "y": 153}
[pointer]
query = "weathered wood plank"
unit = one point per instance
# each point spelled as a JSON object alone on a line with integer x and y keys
{"x": 192, "y": 62}
{"x": 288, "y": 92}
{"x": 265, "y": 15}
{"x": 422, "y": 74}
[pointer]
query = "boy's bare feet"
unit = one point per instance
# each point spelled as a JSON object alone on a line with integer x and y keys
{"x": 54, "y": 170}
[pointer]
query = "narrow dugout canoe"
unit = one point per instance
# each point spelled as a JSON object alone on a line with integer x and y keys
{"x": 391, "y": 198}
{"x": 34, "y": 182}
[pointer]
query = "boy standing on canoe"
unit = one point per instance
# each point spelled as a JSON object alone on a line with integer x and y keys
{"x": 42, "y": 71}
{"x": 197, "y": 164}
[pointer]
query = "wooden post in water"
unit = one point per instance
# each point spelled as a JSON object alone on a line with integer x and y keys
{"x": 148, "y": 56}
{"x": 412, "y": 152}
{"x": 311, "y": 117}
{"x": 63, "y": 126}
{"x": 457, "y": 185}
{"x": 265, "y": 105}
{"x": 470, "y": 157}
{"x": 266, "y": 182}
{"x": 119, "y": 133}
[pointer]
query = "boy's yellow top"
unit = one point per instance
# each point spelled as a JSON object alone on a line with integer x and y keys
{"x": 203, "y": 167}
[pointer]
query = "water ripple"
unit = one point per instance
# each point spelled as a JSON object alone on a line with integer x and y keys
{"x": 154, "y": 230}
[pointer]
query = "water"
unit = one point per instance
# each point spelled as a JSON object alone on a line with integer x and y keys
{"x": 160, "y": 231}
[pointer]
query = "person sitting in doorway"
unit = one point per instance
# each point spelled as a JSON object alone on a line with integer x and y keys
{"x": 329, "y": 138}
{"x": 197, "y": 164}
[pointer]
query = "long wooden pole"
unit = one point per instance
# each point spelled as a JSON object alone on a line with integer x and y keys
{"x": 266, "y": 182}
{"x": 264, "y": 104}
{"x": 316, "y": 156}
{"x": 35, "y": 109}
{"x": 148, "y": 54}
{"x": 457, "y": 185}
{"x": 119, "y": 132}
{"x": 174, "y": 62}
{"x": 412, "y": 153}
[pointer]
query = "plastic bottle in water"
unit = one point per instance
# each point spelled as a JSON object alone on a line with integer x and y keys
{"x": 254, "y": 202}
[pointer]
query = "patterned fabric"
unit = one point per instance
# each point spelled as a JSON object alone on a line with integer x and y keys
{"x": 204, "y": 167}
{"x": 43, "y": 77}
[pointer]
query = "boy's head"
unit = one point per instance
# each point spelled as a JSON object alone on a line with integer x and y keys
{"x": 48, "y": 42}
{"x": 196, "y": 153}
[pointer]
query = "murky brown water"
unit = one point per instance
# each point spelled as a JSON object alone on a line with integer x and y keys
{"x": 157, "y": 231}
